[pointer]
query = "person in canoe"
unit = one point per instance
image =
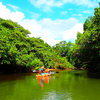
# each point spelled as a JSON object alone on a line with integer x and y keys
{"x": 41, "y": 71}
{"x": 47, "y": 71}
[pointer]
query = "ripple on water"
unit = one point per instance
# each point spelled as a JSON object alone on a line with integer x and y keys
{"x": 56, "y": 95}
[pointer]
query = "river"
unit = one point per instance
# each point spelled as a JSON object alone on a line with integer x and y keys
{"x": 64, "y": 85}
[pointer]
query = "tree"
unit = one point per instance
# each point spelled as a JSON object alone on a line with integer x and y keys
{"x": 19, "y": 52}
{"x": 86, "y": 52}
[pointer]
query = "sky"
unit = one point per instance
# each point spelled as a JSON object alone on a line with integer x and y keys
{"x": 52, "y": 20}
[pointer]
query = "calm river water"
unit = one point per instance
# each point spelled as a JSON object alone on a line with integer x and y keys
{"x": 65, "y": 85}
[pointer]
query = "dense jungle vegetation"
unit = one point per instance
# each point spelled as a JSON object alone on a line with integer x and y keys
{"x": 19, "y": 52}
{"x": 86, "y": 50}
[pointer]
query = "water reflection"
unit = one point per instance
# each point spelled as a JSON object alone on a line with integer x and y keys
{"x": 43, "y": 80}
{"x": 65, "y": 85}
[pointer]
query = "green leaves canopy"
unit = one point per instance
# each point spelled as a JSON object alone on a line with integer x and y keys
{"x": 19, "y": 52}
{"x": 86, "y": 52}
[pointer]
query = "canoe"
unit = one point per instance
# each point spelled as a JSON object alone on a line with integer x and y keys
{"x": 38, "y": 76}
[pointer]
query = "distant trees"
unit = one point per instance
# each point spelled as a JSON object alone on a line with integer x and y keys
{"x": 63, "y": 48}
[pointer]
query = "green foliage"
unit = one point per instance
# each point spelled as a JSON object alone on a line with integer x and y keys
{"x": 86, "y": 52}
{"x": 62, "y": 49}
{"x": 19, "y": 52}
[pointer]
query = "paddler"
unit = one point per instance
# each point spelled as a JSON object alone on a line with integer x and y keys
{"x": 41, "y": 70}
{"x": 47, "y": 71}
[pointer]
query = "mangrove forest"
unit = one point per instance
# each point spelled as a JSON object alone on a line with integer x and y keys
{"x": 21, "y": 53}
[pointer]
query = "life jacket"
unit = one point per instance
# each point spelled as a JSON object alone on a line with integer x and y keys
{"x": 46, "y": 71}
{"x": 39, "y": 71}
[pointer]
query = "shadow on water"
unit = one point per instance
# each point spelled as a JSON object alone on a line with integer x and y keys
{"x": 12, "y": 77}
{"x": 85, "y": 73}
{"x": 93, "y": 75}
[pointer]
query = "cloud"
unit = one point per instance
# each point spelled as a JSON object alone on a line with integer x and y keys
{"x": 80, "y": 15}
{"x": 50, "y": 40}
{"x": 64, "y": 12}
{"x": 46, "y": 5}
{"x": 14, "y": 7}
{"x": 67, "y": 1}
{"x": 87, "y": 11}
{"x": 87, "y": 3}
{"x": 72, "y": 32}
{"x": 35, "y": 15}
{"x": 48, "y": 29}
{"x": 51, "y": 31}
{"x": 5, "y": 13}
{"x": 58, "y": 24}
{"x": 70, "y": 9}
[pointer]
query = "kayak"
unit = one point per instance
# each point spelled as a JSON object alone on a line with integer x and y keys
{"x": 38, "y": 76}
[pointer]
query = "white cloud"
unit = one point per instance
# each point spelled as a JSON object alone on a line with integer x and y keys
{"x": 72, "y": 32}
{"x": 58, "y": 24}
{"x": 14, "y": 7}
{"x": 70, "y": 9}
{"x": 87, "y": 11}
{"x": 80, "y": 15}
{"x": 64, "y": 12}
{"x": 47, "y": 4}
{"x": 35, "y": 15}
{"x": 50, "y": 40}
{"x": 87, "y": 3}
{"x": 58, "y": 4}
{"x": 66, "y": 1}
{"x": 46, "y": 28}
{"x": 74, "y": 15}
{"x": 5, "y": 13}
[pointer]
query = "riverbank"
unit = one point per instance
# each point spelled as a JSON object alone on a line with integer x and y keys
{"x": 57, "y": 69}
